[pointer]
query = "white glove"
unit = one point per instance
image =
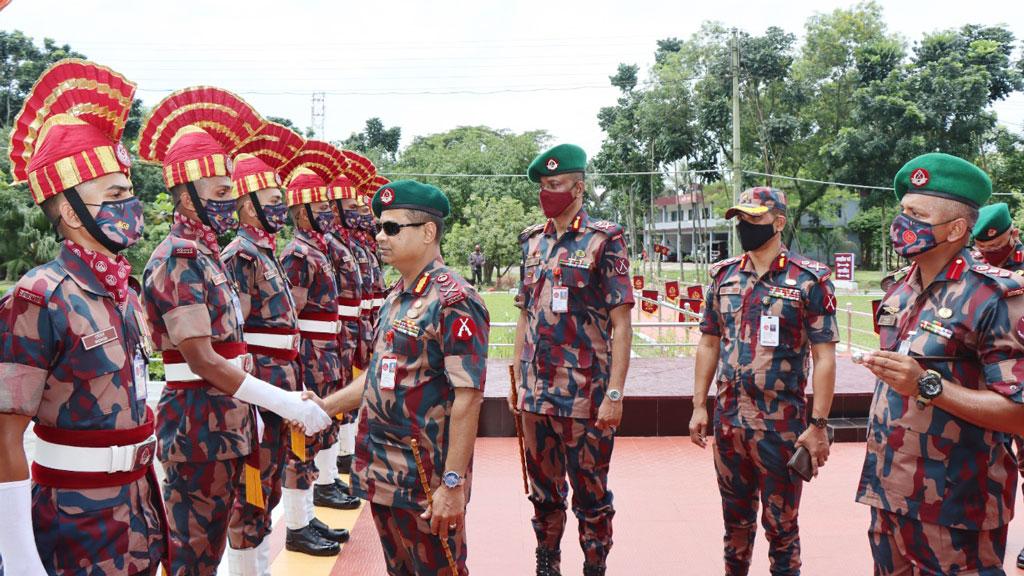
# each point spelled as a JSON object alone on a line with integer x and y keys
{"x": 288, "y": 405}
{"x": 17, "y": 542}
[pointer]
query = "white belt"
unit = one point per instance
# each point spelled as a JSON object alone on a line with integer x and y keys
{"x": 182, "y": 373}
{"x": 318, "y": 326}
{"x": 276, "y": 341}
{"x": 366, "y": 304}
{"x": 78, "y": 459}
{"x": 378, "y": 302}
{"x": 349, "y": 310}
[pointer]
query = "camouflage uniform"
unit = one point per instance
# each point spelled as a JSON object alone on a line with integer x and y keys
{"x": 269, "y": 312}
{"x": 438, "y": 330}
{"x": 69, "y": 358}
{"x": 1014, "y": 263}
{"x": 315, "y": 293}
{"x": 942, "y": 489}
{"x": 565, "y": 366}
{"x": 760, "y": 405}
{"x": 350, "y": 287}
{"x": 204, "y": 434}
{"x": 359, "y": 250}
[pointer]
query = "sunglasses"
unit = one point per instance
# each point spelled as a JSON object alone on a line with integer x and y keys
{"x": 394, "y": 228}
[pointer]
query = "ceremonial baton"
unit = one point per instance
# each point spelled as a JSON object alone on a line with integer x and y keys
{"x": 430, "y": 502}
{"x": 519, "y": 425}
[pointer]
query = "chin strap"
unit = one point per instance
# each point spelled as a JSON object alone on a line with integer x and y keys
{"x": 260, "y": 214}
{"x": 89, "y": 222}
{"x": 312, "y": 221}
{"x": 198, "y": 204}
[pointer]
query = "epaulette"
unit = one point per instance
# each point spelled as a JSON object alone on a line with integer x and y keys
{"x": 449, "y": 289}
{"x": 717, "y": 267}
{"x": 893, "y": 277}
{"x": 530, "y": 231}
{"x": 37, "y": 285}
{"x": 1008, "y": 283}
{"x": 608, "y": 227}
{"x": 820, "y": 271}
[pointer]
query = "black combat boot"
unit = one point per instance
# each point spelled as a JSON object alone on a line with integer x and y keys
{"x": 309, "y": 541}
{"x": 339, "y": 535}
{"x": 593, "y": 569}
{"x": 329, "y": 496}
{"x": 1020, "y": 560}
{"x": 548, "y": 562}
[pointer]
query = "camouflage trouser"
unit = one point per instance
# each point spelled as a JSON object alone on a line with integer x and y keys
{"x": 903, "y": 546}
{"x": 300, "y": 474}
{"x": 749, "y": 464}
{"x": 248, "y": 525}
{"x": 410, "y": 548}
{"x": 99, "y": 531}
{"x": 556, "y": 446}
{"x": 199, "y": 497}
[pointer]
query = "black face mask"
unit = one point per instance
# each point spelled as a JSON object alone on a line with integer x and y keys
{"x": 753, "y": 236}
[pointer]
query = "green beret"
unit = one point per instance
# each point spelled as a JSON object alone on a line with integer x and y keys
{"x": 938, "y": 174}
{"x": 558, "y": 160}
{"x": 993, "y": 220}
{"x": 411, "y": 195}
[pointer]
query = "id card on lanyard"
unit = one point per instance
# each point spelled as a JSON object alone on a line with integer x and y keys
{"x": 140, "y": 372}
{"x": 388, "y": 371}
{"x": 559, "y": 294}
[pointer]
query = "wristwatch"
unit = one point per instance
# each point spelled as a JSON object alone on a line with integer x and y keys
{"x": 614, "y": 395}
{"x": 929, "y": 386}
{"x": 452, "y": 479}
{"x": 820, "y": 422}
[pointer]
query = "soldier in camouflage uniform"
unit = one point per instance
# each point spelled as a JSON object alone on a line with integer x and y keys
{"x": 341, "y": 246}
{"x": 939, "y": 475}
{"x": 270, "y": 331}
{"x": 765, "y": 312}
{"x": 74, "y": 348}
{"x": 572, "y": 345}
{"x": 311, "y": 480}
{"x": 206, "y": 422}
{"x": 420, "y": 397}
{"x": 997, "y": 242}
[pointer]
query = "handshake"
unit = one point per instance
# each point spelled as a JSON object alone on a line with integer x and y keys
{"x": 303, "y": 410}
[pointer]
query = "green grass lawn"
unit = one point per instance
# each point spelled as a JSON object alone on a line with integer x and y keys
{"x": 5, "y": 285}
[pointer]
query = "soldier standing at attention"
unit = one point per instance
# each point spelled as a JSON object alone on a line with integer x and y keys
{"x": 205, "y": 419}
{"x": 420, "y": 398}
{"x": 997, "y": 241}
{"x": 766, "y": 312}
{"x": 312, "y": 481}
{"x": 938, "y": 474}
{"x": 74, "y": 346}
{"x": 572, "y": 344}
{"x": 270, "y": 331}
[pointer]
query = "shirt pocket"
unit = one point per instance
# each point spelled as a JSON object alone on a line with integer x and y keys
{"x": 790, "y": 314}
{"x": 730, "y": 299}
{"x": 389, "y": 455}
{"x": 563, "y": 370}
{"x": 101, "y": 381}
{"x": 577, "y": 280}
{"x": 913, "y": 464}
{"x": 92, "y": 528}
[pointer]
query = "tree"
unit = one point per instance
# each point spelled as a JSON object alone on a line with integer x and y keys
{"x": 375, "y": 141}
{"x": 21, "y": 63}
{"x": 493, "y": 222}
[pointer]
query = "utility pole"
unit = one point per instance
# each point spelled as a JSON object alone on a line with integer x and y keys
{"x": 737, "y": 176}
{"x": 316, "y": 121}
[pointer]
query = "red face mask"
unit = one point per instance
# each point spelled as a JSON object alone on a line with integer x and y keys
{"x": 554, "y": 203}
{"x": 998, "y": 257}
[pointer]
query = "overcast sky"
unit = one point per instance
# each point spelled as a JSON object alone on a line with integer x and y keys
{"x": 429, "y": 66}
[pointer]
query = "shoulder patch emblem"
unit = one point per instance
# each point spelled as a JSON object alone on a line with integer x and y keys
{"x": 29, "y": 296}
{"x": 464, "y": 329}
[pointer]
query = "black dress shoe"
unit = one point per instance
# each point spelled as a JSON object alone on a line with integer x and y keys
{"x": 329, "y": 496}
{"x": 340, "y": 485}
{"x": 308, "y": 540}
{"x": 1020, "y": 560}
{"x": 345, "y": 463}
{"x": 339, "y": 535}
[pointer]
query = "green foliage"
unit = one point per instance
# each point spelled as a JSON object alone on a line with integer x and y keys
{"x": 493, "y": 222}
{"x": 377, "y": 143}
{"x": 21, "y": 63}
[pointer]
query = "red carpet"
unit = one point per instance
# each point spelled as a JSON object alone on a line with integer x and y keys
{"x": 668, "y": 519}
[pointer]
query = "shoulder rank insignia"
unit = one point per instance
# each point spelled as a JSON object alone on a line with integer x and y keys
{"x": 421, "y": 284}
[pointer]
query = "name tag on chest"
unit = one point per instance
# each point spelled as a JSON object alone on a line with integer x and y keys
{"x": 218, "y": 279}
{"x": 100, "y": 338}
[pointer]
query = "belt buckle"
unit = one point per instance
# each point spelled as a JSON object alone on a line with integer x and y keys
{"x": 144, "y": 453}
{"x": 295, "y": 342}
{"x": 247, "y": 363}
